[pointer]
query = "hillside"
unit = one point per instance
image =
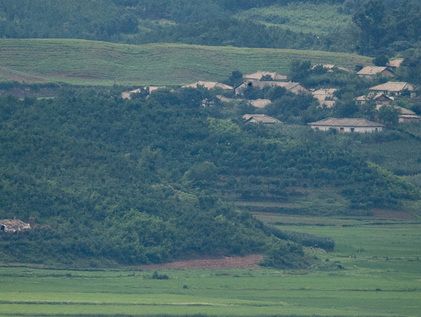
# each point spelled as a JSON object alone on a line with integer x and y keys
{"x": 147, "y": 181}
{"x": 98, "y": 63}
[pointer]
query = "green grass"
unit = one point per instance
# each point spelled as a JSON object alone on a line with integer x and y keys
{"x": 319, "y": 19}
{"x": 100, "y": 63}
{"x": 382, "y": 277}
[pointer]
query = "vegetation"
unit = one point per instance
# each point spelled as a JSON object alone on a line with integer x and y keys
{"x": 99, "y": 63}
{"x": 379, "y": 277}
{"x": 143, "y": 181}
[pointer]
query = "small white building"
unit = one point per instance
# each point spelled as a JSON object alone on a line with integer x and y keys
{"x": 347, "y": 125}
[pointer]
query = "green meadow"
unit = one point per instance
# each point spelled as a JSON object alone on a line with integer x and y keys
{"x": 375, "y": 271}
{"x": 84, "y": 62}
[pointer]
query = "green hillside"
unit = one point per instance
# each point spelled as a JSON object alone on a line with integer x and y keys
{"x": 98, "y": 63}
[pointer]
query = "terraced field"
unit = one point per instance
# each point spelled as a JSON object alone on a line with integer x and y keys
{"x": 98, "y": 63}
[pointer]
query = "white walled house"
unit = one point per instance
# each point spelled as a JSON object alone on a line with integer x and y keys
{"x": 347, "y": 125}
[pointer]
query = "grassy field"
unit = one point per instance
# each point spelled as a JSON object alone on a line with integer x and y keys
{"x": 319, "y": 19}
{"x": 375, "y": 271}
{"x": 99, "y": 63}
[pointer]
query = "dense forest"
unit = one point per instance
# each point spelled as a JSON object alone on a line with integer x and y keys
{"x": 148, "y": 180}
{"x": 379, "y": 26}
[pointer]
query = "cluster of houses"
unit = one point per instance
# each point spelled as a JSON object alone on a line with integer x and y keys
{"x": 13, "y": 226}
{"x": 383, "y": 95}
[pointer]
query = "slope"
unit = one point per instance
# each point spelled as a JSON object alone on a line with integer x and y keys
{"x": 99, "y": 63}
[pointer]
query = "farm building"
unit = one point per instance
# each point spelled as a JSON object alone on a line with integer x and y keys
{"x": 325, "y": 97}
{"x": 260, "y": 119}
{"x": 370, "y": 72}
{"x": 347, "y": 125}
{"x": 292, "y": 87}
{"x": 13, "y": 225}
{"x": 260, "y": 75}
{"x": 210, "y": 85}
{"x": 393, "y": 88}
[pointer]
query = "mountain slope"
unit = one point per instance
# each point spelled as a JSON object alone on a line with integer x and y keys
{"x": 99, "y": 63}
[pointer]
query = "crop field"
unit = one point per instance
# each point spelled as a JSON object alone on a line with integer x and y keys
{"x": 98, "y": 63}
{"x": 375, "y": 271}
{"x": 320, "y": 19}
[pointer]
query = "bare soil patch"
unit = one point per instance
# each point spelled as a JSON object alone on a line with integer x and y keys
{"x": 250, "y": 261}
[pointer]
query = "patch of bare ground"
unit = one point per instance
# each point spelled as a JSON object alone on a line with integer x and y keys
{"x": 250, "y": 261}
{"x": 12, "y": 75}
{"x": 392, "y": 214}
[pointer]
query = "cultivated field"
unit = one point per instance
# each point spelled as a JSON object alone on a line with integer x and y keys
{"x": 99, "y": 63}
{"x": 375, "y": 271}
{"x": 319, "y": 19}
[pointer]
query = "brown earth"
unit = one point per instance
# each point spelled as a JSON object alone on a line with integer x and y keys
{"x": 392, "y": 214}
{"x": 250, "y": 261}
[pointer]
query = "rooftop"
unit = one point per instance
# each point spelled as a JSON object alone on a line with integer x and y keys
{"x": 372, "y": 70}
{"x": 260, "y": 118}
{"x": 258, "y": 75}
{"x": 209, "y": 85}
{"x": 346, "y": 122}
{"x": 393, "y": 86}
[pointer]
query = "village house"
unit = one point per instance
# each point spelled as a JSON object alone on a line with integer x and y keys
{"x": 128, "y": 95}
{"x": 330, "y": 68}
{"x": 378, "y": 99}
{"x": 405, "y": 115}
{"x": 395, "y": 63}
{"x": 13, "y": 225}
{"x": 408, "y": 116}
{"x": 347, "y": 125}
{"x": 370, "y": 72}
{"x": 260, "y": 119}
{"x": 210, "y": 85}
{"x": 325, "y": 97}
{"x": 393, "y": 89}
{"x": 260, "y": 75}
{"x": 292, "y": 87}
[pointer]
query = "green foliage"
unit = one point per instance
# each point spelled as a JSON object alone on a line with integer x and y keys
{"x": 286, "y": 256}
{"x": 388, "y": 26}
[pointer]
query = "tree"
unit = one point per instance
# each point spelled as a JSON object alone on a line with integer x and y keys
{"x": 235, "y": 79}
{"x": 389, "y": 116}
{"x": 381, "y": 60}
{"x": 299, "y": 70}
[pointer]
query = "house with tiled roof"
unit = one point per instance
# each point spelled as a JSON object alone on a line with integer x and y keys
{"x": 394, "y": 88}
{"x": 370, "y": 72}
{"x": 347, "y": 125}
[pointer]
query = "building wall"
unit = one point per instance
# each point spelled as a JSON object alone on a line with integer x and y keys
{"x": 348, "y": 129}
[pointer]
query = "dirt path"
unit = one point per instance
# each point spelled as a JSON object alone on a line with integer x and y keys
{"x": 249, "y": 261}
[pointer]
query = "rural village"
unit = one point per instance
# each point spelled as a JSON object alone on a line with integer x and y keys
{"x": 387, "y": 94}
